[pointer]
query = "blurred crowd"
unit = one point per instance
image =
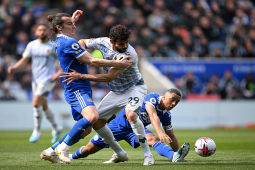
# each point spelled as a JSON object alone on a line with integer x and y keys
{"x": 160, "y": 29}
{"x": 226, "y": 87}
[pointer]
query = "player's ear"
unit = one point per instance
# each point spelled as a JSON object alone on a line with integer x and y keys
{"x": 59, "y": 28}
{"x": 112, "y": 41}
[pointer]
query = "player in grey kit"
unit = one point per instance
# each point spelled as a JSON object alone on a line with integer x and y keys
{"x": 43, "y": 55}
{"x": 127, "y": 89}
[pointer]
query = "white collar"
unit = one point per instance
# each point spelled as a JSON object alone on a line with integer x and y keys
{"x": 62, "y": 35}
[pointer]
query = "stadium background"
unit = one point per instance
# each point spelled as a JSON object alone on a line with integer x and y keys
{"x": 205, "y": 47}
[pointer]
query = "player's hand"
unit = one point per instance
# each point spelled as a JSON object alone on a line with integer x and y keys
{"x": 11, "y": 69}
{"x": 76, "y": 15}
{"x": 164, "y": 138}
{"x": 72, "y": 76}
{"x": 125, "y": 62}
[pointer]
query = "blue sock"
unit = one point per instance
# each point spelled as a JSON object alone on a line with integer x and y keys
{"x": 78, "y": 154}
{"x": 163, "y": 149}
{"x": 62, "y": 139}
{"x": 77, "y": 130}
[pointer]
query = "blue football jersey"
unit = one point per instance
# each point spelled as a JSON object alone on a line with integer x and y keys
{"x": 68, "y": 51}
{"x": 153, "y": 99}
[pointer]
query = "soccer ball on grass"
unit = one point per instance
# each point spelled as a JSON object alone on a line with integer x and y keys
{"x": 205, "y": 147}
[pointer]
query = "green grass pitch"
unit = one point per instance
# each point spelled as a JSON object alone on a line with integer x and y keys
{"x": 235, "y": 150}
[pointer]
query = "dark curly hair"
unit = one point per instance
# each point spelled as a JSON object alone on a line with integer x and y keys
{"x": 55, "y": 20}
{"x": 119, "y": 33}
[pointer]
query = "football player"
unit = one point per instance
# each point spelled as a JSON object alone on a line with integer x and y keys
{"x": 155, "y": 111}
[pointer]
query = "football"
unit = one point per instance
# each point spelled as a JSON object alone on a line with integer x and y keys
{"x": 205, "y": 147}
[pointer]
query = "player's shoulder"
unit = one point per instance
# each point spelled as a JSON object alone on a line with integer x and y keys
{"x": 152, "y": 98}
{"x": 155, "y": 95}
{"x": 130, "y": 51}
{"x": 67, "y": 40}
{"x": 36, "y": 41}
{"x": 99, "y": 40}
{"x": 52, "y": 44}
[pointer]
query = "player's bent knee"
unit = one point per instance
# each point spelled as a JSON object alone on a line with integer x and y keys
{"x": 37, "y": 101}
{"x": 90, "y": 113}
{"x": 131, "y": 115}
{"x": 152, "y": 139}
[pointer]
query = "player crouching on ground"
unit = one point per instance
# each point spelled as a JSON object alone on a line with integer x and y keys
{"x": 155, "y": 111}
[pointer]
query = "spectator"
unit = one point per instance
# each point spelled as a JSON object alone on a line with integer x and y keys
{"x": 247, "y": 87}
{"x": 228, "y": 85}
{"x": 6, "y": 95}
{"x": 210, "y": 89}
{"x": 190, "y": 82}
{"x": 201, "y": 47}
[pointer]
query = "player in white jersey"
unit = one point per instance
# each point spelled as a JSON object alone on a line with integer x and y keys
{"x": 42, "y": 53}
{"x": 127, "y": 87}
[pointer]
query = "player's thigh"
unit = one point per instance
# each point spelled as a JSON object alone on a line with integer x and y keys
{"x": 43, "y": 89}
{"x": 82, "y": 105}
{"x": 132, "y": 140}
{"x": 114, "y": 102}
{"x": 135, "y": 100}
{"x": 136, "y": 96}
{"x": 111, "y": 105}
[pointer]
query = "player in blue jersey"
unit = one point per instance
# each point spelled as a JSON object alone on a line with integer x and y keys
{"x": 127, "y": 89}
{"x": 155, "y": 111}
{"x": 79, "y": 93}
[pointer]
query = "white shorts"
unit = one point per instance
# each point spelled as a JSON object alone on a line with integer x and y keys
{"x": 43, "y": 89}
{"x": 114, "y": 102}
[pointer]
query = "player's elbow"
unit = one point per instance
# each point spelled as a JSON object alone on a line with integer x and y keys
{"x": 109, "y": 78}
{"x": 82, "y": 43}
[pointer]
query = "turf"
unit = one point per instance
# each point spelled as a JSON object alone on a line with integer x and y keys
{"x": 235, "y": 150}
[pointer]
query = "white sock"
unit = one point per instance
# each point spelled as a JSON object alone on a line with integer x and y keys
{"x": 50, "y": 116}
{"x": 37, "y": 118}
{"x": 139, "y": 132}
{"x": 63, "y": 146}
{"x": 109, "y": 139}
{"x": 49, "y": 151}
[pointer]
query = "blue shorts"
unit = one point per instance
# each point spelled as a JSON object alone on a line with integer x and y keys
{"x": 119, "y": 134}
{"x": 79, "y": 100}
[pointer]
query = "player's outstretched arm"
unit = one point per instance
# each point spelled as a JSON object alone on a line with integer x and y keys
{"x": 21, "y": 63}
{"x": 174, "y": 144}
{"x": 86, "y": 58}
{"x": 74, "y": 75}
{"x": 156, "y": 124}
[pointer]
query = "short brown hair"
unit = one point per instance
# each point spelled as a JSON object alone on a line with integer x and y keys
{"x": 119, "y": 33}
{"x": 55, "y": 20}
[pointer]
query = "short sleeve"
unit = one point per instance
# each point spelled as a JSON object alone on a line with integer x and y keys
{"x": 73, "y": 48}
{"x": 27, "y": 51}
{"x": 94, "y": 43}
{"x": 151, "y": 99}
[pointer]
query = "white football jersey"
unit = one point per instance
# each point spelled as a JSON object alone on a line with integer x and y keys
{"x": 131, "y": 76}
{"x": 43, "y": 60}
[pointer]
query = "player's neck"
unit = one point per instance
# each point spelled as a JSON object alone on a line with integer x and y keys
{"x": 113, "y": 48}
{"x": 161, "y": 106}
